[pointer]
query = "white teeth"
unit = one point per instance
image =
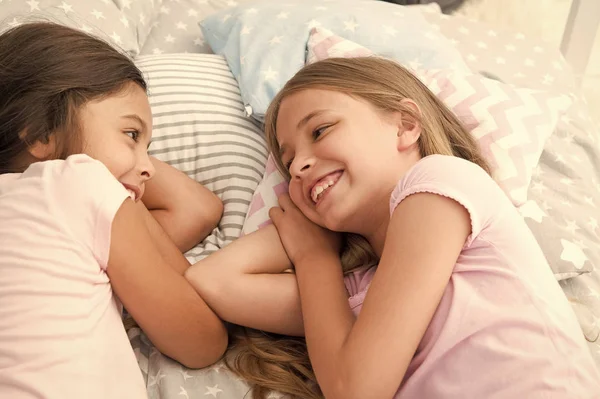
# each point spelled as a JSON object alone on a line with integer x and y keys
{"x": 320, "y": 190}
{"x": 131, "y": 194}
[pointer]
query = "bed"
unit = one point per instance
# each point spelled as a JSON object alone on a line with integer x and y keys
{"x": 203, "y": 127}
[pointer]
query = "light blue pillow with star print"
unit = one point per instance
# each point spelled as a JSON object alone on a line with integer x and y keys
{"x": 265, "y": 42}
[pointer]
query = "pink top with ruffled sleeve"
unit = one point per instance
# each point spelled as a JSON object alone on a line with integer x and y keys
{"x": 504, "y": 328}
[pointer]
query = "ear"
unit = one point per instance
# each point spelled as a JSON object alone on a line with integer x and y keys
{"x": 42, "y": 151}
{"x": 409, "y": 128}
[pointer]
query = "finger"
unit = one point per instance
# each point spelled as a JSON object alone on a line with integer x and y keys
{"x": 285, "y": 202}
{"x": 276, "y": 214}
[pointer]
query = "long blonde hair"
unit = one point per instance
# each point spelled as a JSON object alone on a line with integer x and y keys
{"x": 271, "y": 362}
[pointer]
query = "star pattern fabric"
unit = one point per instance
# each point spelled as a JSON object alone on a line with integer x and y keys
{"x": 111, "y": 21}
{"x": 175, "y": 29}
{"x": 138, "y": 14}
{"x": 514, "y": 57}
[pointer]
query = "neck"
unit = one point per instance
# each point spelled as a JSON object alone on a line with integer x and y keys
{"x": 377, "y": 238}
{"x": 379, "y": 218}
{"x": 376, "y": 224}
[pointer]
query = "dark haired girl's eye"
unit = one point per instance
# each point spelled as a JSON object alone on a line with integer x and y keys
{"x": 134, "y": 134}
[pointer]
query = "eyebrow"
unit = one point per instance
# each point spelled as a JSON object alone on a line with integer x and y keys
{"x": 308, "y": 117}
{"x": 137, "y": 119}
{"x": 140, "y": 121}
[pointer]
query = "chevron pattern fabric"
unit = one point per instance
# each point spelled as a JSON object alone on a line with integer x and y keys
{"x": 510, "y": 124}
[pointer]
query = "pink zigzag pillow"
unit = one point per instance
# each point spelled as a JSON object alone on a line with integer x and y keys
{"x": 510, "y": 124}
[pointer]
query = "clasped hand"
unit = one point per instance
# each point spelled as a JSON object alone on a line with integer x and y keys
{"x": 302, "y": 239}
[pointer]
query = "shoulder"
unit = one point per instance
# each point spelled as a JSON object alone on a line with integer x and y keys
{"x": 79, "y": 177}
{"x": 445, "y": 174}
{"x": 458, "y": 179}
{"x": 78, "y": 166}
{"x": 443, "y": 169}
{"x": 78, "y": 171}
{"x": 55, "y": 176}
{"x": 84, "y": 195}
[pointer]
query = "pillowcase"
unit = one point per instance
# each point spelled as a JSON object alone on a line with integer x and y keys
{"x": 510, "y": 124}
{"x": 175, "y": 26}
{"x": 322, "y": 44}
{"x": 201, "y": 129}
{"x": 263, "y": 56}
{"x": 141, "y": 15}
{"x": 272, "y": 185}
{"x": 100, "y": 18}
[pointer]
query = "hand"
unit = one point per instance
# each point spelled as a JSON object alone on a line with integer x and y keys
{"x": 186, "y": 210}
{"x": 302, "y": 238}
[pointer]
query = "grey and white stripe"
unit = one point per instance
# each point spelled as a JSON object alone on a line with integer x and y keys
{"x": 200, "y": 127}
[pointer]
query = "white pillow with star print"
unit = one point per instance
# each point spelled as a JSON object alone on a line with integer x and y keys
{"x": 142, "y": 16}
{"x": 103, "y": 19}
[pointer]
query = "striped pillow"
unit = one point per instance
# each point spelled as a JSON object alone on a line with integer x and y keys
{"x": 200, "y": 128}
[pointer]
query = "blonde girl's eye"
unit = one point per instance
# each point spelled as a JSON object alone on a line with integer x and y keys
{"x": 319, "y": 131}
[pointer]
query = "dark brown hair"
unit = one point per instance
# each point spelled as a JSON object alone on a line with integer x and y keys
{"x": 47, "y": 72}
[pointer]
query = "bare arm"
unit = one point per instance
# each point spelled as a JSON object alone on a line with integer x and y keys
{"x": 146, "y": 272}
{"x": 185, "y": 209}
{"x": 244, "y": 284}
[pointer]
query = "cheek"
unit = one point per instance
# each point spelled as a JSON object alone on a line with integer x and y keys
{"x": 295, "y": 192}
{"x": 122, "y": 160}
{"x": 299, "y": 200}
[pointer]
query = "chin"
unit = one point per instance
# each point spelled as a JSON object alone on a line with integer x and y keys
{"x": 334, "y": 219}
{"x": 334, "y": 224}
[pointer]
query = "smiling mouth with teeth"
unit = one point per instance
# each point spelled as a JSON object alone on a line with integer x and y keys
{"x": 323, "y": 185}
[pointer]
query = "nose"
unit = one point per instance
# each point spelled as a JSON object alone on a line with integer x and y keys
{"x": 147, "y": 168}
{"x": 301, "y": 166}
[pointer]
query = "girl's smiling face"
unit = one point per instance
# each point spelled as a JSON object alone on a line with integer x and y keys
{"x": 116, "y": 130}
{"x": 342, "y": 155}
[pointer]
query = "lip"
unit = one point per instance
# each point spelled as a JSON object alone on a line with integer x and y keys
{"x": 135, "y": 189}
{"x": 314, "y": 183}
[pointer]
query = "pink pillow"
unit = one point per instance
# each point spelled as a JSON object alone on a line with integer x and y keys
{"x": 322, "y": 44}
{"x": 272, "y": 185}
{"x": 510, "y": 124}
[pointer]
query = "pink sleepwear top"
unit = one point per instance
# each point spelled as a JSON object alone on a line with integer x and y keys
{"x": 504, "y": 328}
